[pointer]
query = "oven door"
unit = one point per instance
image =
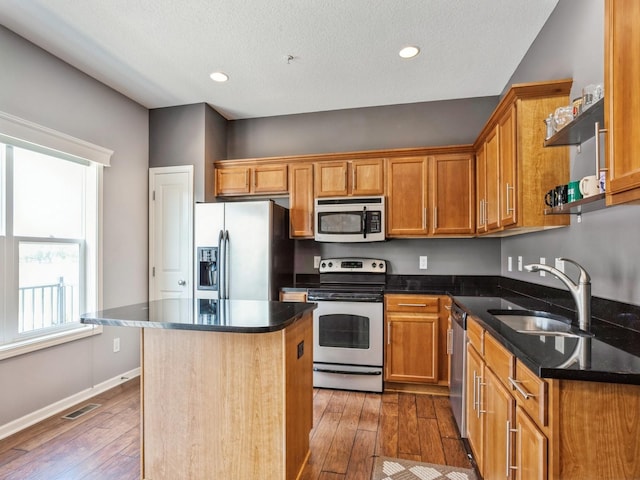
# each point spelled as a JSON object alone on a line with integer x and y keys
{"x": 348, "y": 333}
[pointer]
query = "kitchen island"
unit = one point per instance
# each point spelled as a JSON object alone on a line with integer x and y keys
{"x": 226, "y": 386}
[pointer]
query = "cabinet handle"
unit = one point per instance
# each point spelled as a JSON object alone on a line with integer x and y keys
{"x": 449, "y": 342}
{"x": 412, "y": 304}
{"x": 424, "y": 218}
{"x": 508, "y": 452}
{"x": 516, "y": 384}
{"x": 484, "y": 212}
{"x": 597, "y": 135}
{"x": 435, "y": 218}
{"x": 448, "y": 307}
{"x": 480, "y": 385}
{"x": 509, "y": 209}
{"x": 475, "y": 390}
{"x": 389, "y": 333}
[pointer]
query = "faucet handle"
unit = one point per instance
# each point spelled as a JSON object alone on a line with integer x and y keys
{"x": 584, "y": 276}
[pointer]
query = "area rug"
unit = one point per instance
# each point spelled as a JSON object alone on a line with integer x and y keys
{"x": 385, "y": 468}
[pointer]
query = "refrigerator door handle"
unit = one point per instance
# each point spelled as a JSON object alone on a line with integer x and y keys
{"x": 220, "y": 272}
{"x": 226, "y": 263}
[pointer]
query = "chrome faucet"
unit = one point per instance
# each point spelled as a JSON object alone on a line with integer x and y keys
{"x": 580, "y": 291}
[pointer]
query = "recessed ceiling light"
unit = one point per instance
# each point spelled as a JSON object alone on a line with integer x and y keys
{"x": 219, "y": 77}
{"x": 409, "y": 52}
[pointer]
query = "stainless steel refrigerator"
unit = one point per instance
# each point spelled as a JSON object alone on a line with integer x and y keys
{"x": 242, "y": 250}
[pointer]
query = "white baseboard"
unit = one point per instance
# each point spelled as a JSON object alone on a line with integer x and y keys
{"x": 32, "y": 418}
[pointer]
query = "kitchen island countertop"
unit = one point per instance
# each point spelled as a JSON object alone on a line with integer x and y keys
{"x": 239, "y": 316}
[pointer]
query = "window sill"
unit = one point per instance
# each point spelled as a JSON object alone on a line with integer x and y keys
{"x": 34, "y": 344}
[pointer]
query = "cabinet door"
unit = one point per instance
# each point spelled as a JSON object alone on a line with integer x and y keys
{"x": 499, "y": 406}
{"x": 232, "y": 181}
{"x": 481, "y": 191}
{"x": 412, "y": 348}
{"x": 301, "y": 200}
{"x": 492, "y": 163}
{"x": 270, "y": 179}
{"x": 331, "y": 179}
{"x": 475, "y": 413}
{"x": 452, "y": 195}
{"x": 367, "y": 177}
{"x": 407, "y": 197}
{"x": 622, "y": 115}
{"x": 530, "y": 449}
{"x": 507, "y": 157}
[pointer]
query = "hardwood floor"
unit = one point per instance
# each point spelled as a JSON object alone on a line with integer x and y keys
{"x": 350, "y": 428}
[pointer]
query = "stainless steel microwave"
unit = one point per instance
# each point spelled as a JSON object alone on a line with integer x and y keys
{"x": 349, "y": 219}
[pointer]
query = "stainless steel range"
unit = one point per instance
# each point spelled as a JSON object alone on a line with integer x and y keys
{"x": 348, "y": 324}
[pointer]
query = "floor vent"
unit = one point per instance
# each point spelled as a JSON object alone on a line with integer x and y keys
{"x": 81, "y": 411}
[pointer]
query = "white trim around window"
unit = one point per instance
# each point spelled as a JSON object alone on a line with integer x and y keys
{"x": 23, "y": 133}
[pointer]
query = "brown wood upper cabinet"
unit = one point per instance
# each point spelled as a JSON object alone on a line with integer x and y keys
{"x": 251, "y": 179}
{"x": 301, "y": 200}
{"x": 352, "y": 177}
{"x": 431, "y": 195}
{"x": 622, "y": 116}
{"x": 514, "y": 169}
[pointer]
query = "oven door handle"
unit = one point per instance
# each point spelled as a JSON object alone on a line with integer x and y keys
{"x": 346, "y": 372}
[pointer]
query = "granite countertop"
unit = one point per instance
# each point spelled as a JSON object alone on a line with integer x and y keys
{"x": 613, "y": 351}
{"x": 607, "y": 356}
{"x": 239, "y": 316}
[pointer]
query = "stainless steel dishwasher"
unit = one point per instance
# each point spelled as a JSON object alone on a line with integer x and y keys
{"x": 457, "y": 393}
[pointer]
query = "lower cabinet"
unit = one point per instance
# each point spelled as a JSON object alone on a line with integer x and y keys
{"x": 415, "y": 339}
{"x": 523, "y": 427}
{"x": 505, "y": 441}
{"x": 530, "y": 449}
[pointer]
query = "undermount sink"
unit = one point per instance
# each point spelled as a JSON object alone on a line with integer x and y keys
{"x": 535, "y": 323}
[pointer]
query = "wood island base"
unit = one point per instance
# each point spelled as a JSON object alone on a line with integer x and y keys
{"x": 226, "y": 405}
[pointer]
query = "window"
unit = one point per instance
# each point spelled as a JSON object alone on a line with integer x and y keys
{"x": 49, "y": 240}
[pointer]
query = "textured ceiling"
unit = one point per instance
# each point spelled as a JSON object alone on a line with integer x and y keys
{"x": 345, "y": 52}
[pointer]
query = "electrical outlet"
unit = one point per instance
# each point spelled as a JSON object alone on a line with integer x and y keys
{"x": 509, "y": 264}
{"x": 543, "y": 261}
{"x": 316, "y": 261}
{"x": 519, "y": 263}
{"x": 559, "y": 265}
{"x": 116, "y": 344}
{"x": 423, "y": 262}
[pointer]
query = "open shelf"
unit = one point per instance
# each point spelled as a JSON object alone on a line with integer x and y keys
{"x": 584, "y": 205}
{"x": 580, "y": 129}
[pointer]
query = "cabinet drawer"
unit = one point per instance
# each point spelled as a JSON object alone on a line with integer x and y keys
{"x": 531, "y": 393}
{"x": 499, "y": 359}
{"x": 475, "y": 335}
{"x": 412, "y": 303}
{"x": 300, "y": 297}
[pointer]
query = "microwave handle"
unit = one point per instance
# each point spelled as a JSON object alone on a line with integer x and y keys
{"x": 364, "y": 222}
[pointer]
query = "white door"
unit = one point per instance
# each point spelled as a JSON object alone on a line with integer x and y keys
{"x": 170, "y": 232}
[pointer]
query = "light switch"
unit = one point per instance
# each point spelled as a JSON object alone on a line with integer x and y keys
{"x": 423, "y": 262}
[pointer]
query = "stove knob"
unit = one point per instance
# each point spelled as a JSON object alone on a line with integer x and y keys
{"x": 323, "y": 264}
{"x": 330, "y": 264}
{"x": 381, "y": 265}
{"x": 374, "y": 265}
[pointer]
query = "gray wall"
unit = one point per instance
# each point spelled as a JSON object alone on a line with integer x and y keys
{"x": 605, "y": 242}
{"x": 451, "y": 256}
{"x": 38, "y": 87}
{"x": 188, "y": 135}
{"x": 450, "y": 122}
